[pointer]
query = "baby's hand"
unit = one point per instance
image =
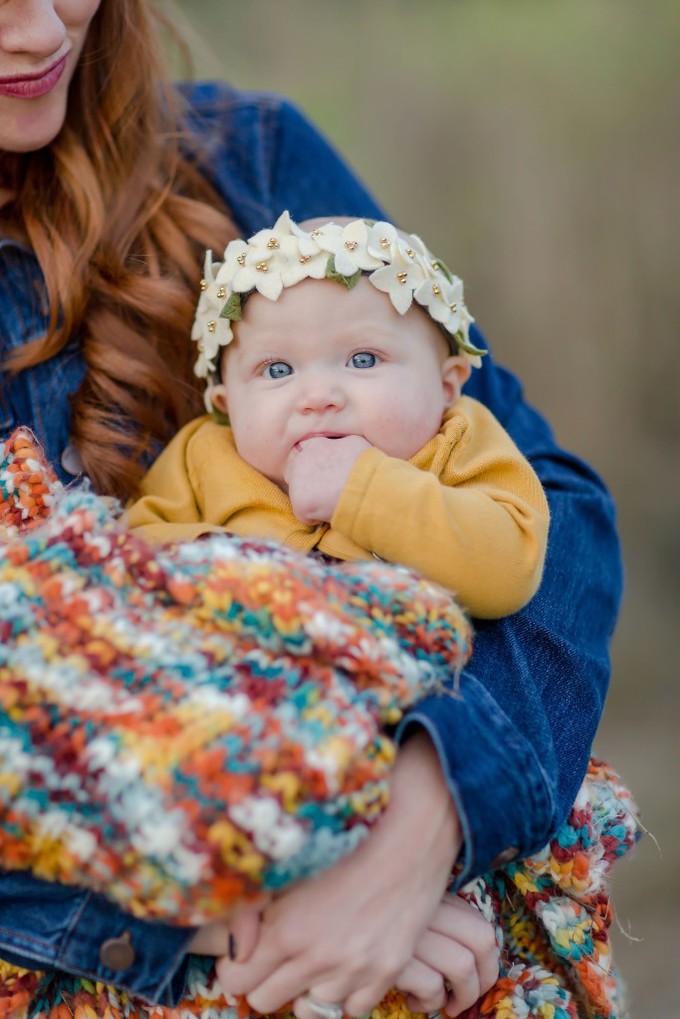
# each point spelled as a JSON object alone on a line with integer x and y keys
{"x": 455, "y": 960}
{"x": 316, "y": 473}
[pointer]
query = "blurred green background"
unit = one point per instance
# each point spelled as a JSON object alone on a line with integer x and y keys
{"x": 534, "y": 144}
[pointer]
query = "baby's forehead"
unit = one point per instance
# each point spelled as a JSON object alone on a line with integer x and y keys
{"x": 325, "y": 299}
{"x": 323, "y": 315}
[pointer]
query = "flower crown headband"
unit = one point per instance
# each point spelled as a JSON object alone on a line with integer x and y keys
{"x": 398, "y": 265}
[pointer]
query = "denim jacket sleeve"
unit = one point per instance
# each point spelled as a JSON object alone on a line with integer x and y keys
{"x": 271, "y": 158}
{"x": 514, "y": 742}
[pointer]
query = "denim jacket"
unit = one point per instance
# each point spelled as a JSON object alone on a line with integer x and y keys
{"x": 515, "y": 743}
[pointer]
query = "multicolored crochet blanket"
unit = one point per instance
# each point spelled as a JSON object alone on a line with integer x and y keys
{"x": 182, "y": 727}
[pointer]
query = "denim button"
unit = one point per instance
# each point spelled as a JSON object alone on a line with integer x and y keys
{"x": 117, "y": 953}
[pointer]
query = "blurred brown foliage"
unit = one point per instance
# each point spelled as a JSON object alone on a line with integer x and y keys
{"x": 535, "y": 147}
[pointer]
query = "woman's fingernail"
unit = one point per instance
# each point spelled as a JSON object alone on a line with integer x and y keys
{"x": 231, "y": 950}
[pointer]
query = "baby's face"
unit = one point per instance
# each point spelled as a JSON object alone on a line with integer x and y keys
{"x": 323, "y": 360}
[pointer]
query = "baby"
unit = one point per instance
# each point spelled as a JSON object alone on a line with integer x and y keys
{"x": 336, "y": 357}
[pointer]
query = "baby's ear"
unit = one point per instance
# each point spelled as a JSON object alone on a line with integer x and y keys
{"x": 216, "y": 402}
{"x": 455, "y": 373}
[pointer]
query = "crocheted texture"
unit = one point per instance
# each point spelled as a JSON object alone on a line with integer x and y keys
{"x": 552, "y": 914}
{"x": 143, "y": 690}
{"x": 180, "y": 728}
{"x": 26, "y": 484}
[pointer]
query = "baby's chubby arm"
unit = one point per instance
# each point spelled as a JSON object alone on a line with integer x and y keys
{"x": 468, "y": 512}
{"x": 317, "y": 472}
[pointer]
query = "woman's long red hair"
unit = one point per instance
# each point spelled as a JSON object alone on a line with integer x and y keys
{"x": 119, "y": 220}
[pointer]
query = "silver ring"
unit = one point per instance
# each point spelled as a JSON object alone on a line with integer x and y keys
{"x": 323, "y": 1009}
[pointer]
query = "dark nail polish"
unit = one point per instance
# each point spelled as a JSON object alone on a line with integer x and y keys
{"x": 231, "y": 950}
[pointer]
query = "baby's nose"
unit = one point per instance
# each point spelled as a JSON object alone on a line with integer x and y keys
{"x": 321, "y": 392}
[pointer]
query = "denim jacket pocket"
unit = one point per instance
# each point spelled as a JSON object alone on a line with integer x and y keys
{"x": 48, "y": 926}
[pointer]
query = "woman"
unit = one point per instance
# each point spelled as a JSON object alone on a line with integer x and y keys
{"x": 112, "y": 184}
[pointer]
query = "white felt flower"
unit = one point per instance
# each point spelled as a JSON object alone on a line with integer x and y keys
{"x": 399, "y": 279}
{"x": 349, "y": 247}
{"x": 258, "y": 263}
{"x": 210, "y": 331}
{"x": 232, "y": 261}
{"x": 253, "y": 266}
{"x": 466, "y": 321}
{"x": 304, "y": 259}
{"x": 443, "y": 299}
{"x": 382, "y": 238}
{"x": 268, "y": 241}
{"x": 473, "y": 353}
{"x": 209, "y": 346}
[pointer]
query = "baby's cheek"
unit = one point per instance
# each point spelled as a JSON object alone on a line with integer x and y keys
{"x": 252, "y": 445}
{"x": 403, "y": 430}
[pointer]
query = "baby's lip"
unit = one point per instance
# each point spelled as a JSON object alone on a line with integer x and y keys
{"x": 322, "y": 435}
{"x": 317, "y": 435}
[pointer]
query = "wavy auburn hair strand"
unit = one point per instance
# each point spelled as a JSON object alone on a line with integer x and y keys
{"x": 119, "y": 218}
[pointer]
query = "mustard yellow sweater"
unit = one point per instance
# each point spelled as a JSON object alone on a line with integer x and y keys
{"x": 467, "y": 510}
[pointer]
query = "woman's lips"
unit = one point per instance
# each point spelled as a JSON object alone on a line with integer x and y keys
{"x": 32, "y": 86}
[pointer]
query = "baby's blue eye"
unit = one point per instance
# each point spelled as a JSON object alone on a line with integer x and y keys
{"x": 364, "y": 359}
{"x": 277, "y": 370}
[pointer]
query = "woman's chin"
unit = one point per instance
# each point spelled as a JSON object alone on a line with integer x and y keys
{"x": 31, "y": 129}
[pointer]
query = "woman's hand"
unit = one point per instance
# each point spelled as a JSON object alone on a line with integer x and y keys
{"x": 347, "y": 934}
{"x": 455, "y": 960}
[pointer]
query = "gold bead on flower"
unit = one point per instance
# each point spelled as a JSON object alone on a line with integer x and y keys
{"x": 402, "y": 277}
